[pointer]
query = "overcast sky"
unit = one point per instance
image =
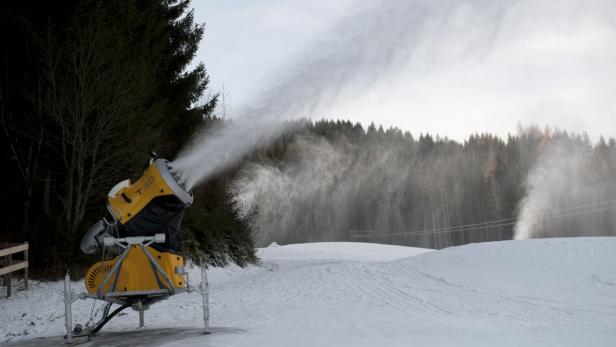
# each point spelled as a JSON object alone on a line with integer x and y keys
{"x": 471, "y": 66}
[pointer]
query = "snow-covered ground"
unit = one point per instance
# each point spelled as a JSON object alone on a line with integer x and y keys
{"x": 548, "y": 292}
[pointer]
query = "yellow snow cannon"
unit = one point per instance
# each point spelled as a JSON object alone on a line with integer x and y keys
{"x": 152, "y": 205}
{"x": 141, "y": 246}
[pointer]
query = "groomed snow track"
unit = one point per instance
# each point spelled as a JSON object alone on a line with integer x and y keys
{"x": 537, "y": 292}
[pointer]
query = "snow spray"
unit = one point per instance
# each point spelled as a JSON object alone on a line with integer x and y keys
{"x": 564, "y": 194}
{"x": 373, "y": 43}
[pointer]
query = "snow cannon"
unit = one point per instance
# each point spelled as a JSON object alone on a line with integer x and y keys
{"x": 141, "y": 247}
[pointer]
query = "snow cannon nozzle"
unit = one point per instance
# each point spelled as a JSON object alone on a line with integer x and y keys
{"x": 177, "y": 176}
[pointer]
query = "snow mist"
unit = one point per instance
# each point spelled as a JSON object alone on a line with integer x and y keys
{"x": 565, "y": 196}
{"x": 390, "y": 188}
{"x": 345, "y": 190}
{"x": 317, "y": 196}
{"x": 370, "y": 45}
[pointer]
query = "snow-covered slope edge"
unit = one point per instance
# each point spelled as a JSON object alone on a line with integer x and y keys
{"x": 536, "y": 292}
{"x": 352, "y": 251}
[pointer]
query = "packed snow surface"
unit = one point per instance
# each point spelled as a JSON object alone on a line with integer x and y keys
{"x": 545, "y": 292}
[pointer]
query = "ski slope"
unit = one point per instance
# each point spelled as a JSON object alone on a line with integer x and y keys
{"x": 546, "y": 292}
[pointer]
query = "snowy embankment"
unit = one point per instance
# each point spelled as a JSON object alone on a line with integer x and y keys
{"x": 536, "y": 292}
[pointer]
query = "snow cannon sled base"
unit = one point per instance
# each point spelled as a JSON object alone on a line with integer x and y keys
{"x": 139, "y": 299}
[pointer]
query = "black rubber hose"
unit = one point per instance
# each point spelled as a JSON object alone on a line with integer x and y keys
{"x": 109, "y": 316}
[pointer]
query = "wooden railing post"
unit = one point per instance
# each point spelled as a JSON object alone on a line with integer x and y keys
{"x": 7, "y": 278}
{"x": 26, "y": 269}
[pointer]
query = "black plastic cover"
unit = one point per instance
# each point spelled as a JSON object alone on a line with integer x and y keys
{"x": 163, "y": 214}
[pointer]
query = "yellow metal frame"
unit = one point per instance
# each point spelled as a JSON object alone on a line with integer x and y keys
{"x": 136, "y": 273}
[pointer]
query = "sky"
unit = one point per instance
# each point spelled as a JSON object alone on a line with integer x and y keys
{"x": 469, "y": 66}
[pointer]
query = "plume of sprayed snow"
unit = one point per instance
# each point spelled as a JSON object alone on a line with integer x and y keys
{"x": 558, "y": 186}
{"x": 371, "y": 44}
{"x": 297, "y": 194}
{"x": 330, "y": 191}
{"x": 337, "y": 190}
{"x": 548, "y": 176}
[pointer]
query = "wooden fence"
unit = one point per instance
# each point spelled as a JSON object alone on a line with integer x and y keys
{"x": 9, "y": 267}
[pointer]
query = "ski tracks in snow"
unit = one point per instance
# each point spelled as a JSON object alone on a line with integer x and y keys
{"x": 404, "y": 288}
{"x": 537, "y": 292}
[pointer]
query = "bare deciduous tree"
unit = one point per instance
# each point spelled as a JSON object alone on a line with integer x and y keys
{"x": 92, "y": 88}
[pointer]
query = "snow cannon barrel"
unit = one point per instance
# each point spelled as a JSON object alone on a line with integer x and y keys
{"x": 153, "y": 204}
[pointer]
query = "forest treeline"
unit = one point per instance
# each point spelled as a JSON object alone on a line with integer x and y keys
{"x": 87, "y": 89}
{"x": 336, "y": 181}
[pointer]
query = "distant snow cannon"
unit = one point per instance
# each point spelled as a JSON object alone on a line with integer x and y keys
{"x": 141, "y": 247}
